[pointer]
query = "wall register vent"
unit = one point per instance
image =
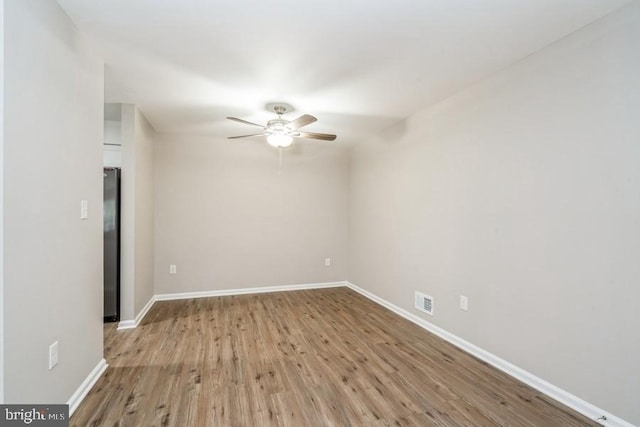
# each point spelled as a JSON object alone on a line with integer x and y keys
{"x": 424, "y": 303}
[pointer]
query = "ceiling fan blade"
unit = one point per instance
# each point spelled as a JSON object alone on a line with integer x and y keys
{"x": 235, "y": 119}
{"x": 303, "y": 120}
{"x": 247, "y": 136}
{"x": 313, "y": 135}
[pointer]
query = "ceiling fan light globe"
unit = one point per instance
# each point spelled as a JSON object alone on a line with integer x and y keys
{"x": 279, "y": 140}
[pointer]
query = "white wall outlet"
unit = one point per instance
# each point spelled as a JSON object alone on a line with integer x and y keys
{"x": 327, "y": 262}
{"x": 53, "y": 355}
{"x": 84, "y": 209}
{"x": 464, "y": 303}
{"x": 173, "y": 269}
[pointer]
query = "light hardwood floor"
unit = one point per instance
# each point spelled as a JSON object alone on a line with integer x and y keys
{"x": 326, "y": 357}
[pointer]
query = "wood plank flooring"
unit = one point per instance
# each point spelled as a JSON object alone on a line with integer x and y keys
{"x": 326, "y": 357}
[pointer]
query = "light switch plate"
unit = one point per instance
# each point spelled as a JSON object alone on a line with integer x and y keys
{"x": 84, "y": 209}
{"x": 53, "y": 355}
{"x": 464, "y": 303}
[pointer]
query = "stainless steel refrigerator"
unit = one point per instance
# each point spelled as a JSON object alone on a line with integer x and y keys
{"x": 111, "y": 244}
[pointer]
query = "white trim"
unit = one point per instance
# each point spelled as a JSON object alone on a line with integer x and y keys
{"x": 130, "y": 324}
{"x": 145, "y": 310}
{"x": 82, "y": 391}
{"x": 244, "y": 291}
{"x": 126, "y": 324}
{"x": 574, "y": 402}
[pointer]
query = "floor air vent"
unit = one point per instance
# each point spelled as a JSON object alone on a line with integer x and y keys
{"x": 424, "y": 303}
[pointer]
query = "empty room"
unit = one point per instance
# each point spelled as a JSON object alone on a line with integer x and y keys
{"x": 337, "y": 213}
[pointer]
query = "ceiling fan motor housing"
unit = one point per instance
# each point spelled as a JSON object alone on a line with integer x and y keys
{"x": 278, "y": 125}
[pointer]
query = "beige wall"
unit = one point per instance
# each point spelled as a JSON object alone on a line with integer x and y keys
{"x": 522, "y": 193}
{"x": 144, "y": 206}
{"x": 227, "y": 219}
{"x": 137, "y": 212}
{"x": 52, "y": 160}
{"x": 127, "y": 212}
{"x": 1, "y": 201}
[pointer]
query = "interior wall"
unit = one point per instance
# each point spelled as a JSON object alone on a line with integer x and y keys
{"x": 1, "y": 202}
{"x": 53, "y": 96}
{"x": 112, "y": 135}
{"x": 521, "y": 193}
{"x": 227, "y": 219}
{"x": 136, "y": 212}
{"x": 144, "y": 212}
{"x": 127, "y": 212}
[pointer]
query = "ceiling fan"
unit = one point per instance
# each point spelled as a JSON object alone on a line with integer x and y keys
{"x": 280, "y": 132}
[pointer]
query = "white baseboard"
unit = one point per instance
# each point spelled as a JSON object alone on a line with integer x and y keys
{"x": 244, "y": 291}
{"x": 130, "y": 324}
{"x": 126, "y": 324}
{"x": 145, "y": 310}
{"x": 82, "y": 391}
{"x": 574, "y": 402}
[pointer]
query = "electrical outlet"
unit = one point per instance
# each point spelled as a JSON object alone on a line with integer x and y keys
{"x": 53, "y": 355}
{"x": 173, "y": 269}
{"x": 464, "y": 303}
{"x": 327, "y": 262}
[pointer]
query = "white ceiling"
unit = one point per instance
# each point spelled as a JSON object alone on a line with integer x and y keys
{"x": 360, "y": 66}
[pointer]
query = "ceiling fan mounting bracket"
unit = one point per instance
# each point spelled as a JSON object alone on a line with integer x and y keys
{"x": 279, "y": 107}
